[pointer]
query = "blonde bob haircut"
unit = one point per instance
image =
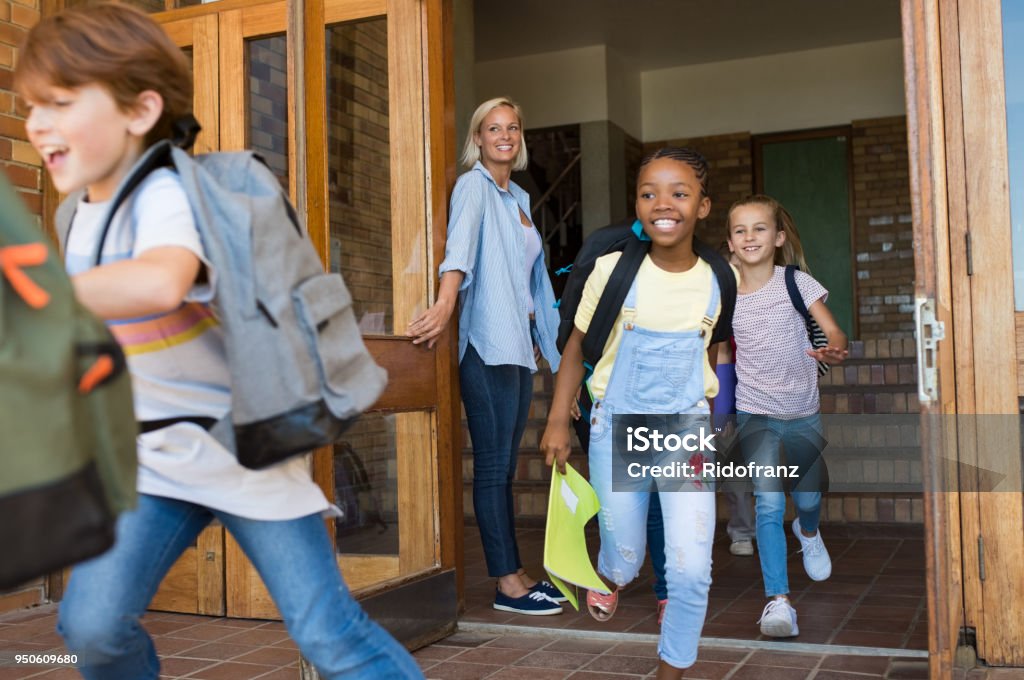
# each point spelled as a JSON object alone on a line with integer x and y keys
{"x": 470, "y": 150}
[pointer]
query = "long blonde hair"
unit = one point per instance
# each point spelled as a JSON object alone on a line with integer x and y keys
{"x": 792, "y": 251}
{"x": 471, "y": 152}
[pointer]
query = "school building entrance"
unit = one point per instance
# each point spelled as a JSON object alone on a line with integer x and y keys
{"x": 907, "y": 122}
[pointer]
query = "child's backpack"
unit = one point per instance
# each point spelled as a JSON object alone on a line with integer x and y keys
{"x": 814, "y": 333}
{"x": 67, "y": 425}
{"x": 300, "y": 372}
{"x": 629, "y": 238}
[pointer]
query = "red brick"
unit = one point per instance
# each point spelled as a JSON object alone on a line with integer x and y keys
{"x": 11, "y": 34}
{"x": 22, "y": 176}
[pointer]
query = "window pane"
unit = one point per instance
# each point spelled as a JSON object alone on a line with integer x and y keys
{"x": 359, "y": 169}
{"x": 266, "y": 59}
{"x": 366, "y": 486}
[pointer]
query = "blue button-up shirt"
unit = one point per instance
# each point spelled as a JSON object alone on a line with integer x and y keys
{"x": 487, "y": 242}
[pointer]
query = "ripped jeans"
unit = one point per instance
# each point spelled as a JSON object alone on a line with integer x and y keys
{"x": 689, "y": 519}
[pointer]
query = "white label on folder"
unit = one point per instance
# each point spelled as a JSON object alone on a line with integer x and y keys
{"x": 571, "y": 499}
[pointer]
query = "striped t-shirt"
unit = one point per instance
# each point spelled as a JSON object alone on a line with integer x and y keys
{"x": 774, "y": 374}
{"x": 178, "y": 366}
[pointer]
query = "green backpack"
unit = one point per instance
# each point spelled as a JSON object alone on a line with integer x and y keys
{"x": 67, "y": 427}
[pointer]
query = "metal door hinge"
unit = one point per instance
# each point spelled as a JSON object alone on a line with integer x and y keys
{"x": 928, "y": 331}
{"x": 969, "y": 254}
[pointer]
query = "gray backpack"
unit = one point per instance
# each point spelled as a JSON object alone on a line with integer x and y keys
{"x": 300, "y": 373}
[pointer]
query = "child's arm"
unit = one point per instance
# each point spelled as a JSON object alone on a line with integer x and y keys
{"x": 556, "y": 443}
{"x": 835, "y": 352}
{"x": 154, "y": 282}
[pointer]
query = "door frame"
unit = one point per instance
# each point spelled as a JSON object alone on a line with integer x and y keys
{"x": 959, "y": 180}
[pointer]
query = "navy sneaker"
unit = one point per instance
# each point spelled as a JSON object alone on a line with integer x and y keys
{"x": 550, "y": 590}
{"x": 533, "y": 604}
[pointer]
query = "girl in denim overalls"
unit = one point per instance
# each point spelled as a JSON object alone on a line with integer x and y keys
{"x": 656, "y": 361}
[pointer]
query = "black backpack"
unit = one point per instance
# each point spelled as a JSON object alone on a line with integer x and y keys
{"x": 629, "y": 238}
{"x": 814, "y": 333}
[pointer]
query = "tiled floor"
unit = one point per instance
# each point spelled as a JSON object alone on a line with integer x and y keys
{"x": 467, "y": 656}
{"x": 875, "y": 597}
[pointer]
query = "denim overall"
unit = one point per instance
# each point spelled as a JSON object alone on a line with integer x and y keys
{"x": 657, "y": 372}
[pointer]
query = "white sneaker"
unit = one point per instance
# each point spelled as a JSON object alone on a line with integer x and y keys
{"x": 778, "y": 619}
{"x": 817, "y": 563}
{"x": 742, "y": 547}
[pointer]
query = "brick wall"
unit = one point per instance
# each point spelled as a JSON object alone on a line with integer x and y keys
{"x": 21, "y": 166}
{"x": 883, "y": 233}
{"x": 359, "y": 169}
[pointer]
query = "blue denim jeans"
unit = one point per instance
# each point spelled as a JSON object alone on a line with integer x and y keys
{"x": 656, "y": 546}
{"x": 760, "y": 439}
{"x": 99, "y": 616}
{"x": 497, "y": 401}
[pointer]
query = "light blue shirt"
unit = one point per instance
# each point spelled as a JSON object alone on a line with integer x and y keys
{"x": 487, "y": 242}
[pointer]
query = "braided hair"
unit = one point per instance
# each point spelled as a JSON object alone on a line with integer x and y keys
{"x": 686, "y": 155}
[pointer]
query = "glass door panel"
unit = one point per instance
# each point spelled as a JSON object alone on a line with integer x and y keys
{"x": 359, "y": 168}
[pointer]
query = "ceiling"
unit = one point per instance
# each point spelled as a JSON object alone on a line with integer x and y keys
{"x": 663, "y": 33}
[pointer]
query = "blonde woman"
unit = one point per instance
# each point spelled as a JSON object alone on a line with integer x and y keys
{"x": 494, "y": 268}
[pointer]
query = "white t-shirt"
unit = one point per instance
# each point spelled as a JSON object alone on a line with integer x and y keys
{"x": 179, "y": 368}
{"x": 774, "y": 374}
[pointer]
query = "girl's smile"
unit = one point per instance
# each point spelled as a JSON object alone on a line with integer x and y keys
{"x": 753, "y": 235}
{"x": 668, "y": 204}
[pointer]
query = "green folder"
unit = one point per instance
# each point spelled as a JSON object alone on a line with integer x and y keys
{"x": 571, "y": 504}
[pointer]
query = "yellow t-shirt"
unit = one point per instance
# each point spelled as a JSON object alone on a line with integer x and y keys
{"x": 666, "y": 301}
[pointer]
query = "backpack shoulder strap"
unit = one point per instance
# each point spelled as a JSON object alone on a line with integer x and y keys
{"x": 726, "y": 285}
{"x": 794, "y": 292}
{"x": 157, "y": 156}
{"x": 612, "y": 297}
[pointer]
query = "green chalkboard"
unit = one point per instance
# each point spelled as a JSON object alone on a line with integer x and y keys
{"x": 810, "y": 177}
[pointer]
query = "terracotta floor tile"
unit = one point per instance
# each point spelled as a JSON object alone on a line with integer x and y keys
{"x": 269, "y": 656}
{"x": 515, "y": 641}
{"x": 169, "y": 646}
{"x": 635, "y": 665}
{"x": 859, "y": 638}
{"x": 255, "y": 637}
{"x": 449, "y": 670}
{"x": 231, "y": 671}
{"x": 855, "y": 664}
{"x": 894, "y": 626}
{"x": 281, "y": 674}
{"x": 467, "y": 640}
{"x": 535, "y": 674}
{"x": 543, "y": 659}
{"x": 772, "y": 658}
{"x": 177, "y": 666}
{"x": 219, "y": 651}
{"x": 437, "y": 652}
{"x": 492, "y": 655}
{"x": 581, "y": 646}
{"x": 205, "y": 631}
{"x": 708, "y": 670}
{"x": 839, "y": 675}
{"x": 749, "y": 672}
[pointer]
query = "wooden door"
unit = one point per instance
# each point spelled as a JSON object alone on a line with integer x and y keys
{"x": 958, "y": 138}
{"x": 345, "y": 99}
